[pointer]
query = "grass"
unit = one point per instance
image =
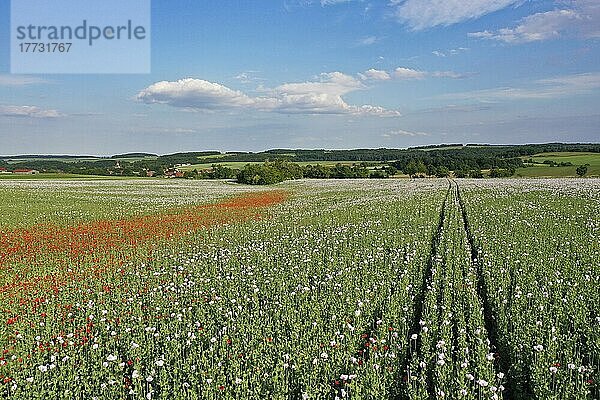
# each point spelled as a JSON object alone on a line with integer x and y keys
{"x": 574, "y": 158}
{"x": 539, "y": 170}
{"x": 213, "y": 156}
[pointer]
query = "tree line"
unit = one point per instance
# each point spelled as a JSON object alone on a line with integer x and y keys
{"x": 438, "y": 160}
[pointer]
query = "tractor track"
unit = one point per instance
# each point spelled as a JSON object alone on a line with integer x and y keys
{"x": 420, "y": 299}
{"x": 503, "y": 362}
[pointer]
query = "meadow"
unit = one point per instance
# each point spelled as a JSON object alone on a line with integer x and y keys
{"x": 320, "y": 289}
{"x": 592, "y": 160}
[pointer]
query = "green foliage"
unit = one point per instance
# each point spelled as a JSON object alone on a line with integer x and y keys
{"x": 582, "y": 170}
{"x": 423, "y": 161}
{"x": 220, "y": 172}
{"x": 461, "y": 173}
{"x": 475, "y": 173}
{"x": 410, "y": 169}
{"x": 501, "y": 173}
{"x": 278, "y": 171}
{"x": 442, "y": 172}
{"x": 269, "y": 173}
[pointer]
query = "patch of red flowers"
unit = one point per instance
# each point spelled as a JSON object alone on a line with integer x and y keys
{"x": 22, "y": 249}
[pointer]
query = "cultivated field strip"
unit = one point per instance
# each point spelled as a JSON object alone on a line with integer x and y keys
{"x": 450, "y": 355}
{"x": 304, "y": 304}
{"x": 349, "y": 289}
{"x": 539, "y": 261}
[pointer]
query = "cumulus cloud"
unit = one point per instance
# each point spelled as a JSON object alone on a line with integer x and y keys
{"x": 331, "y": 83}
{"x": 320, "y": 96}
{"x": 423, "y": 14}
{"x": 582, "y": 19}
{"x": 28, "y": 112}
{"x": 375, "y": 75}
{"x": 407, "y": 73}
{"x": 194, "y": 93}
{"x": 551, "y": 88}
{"x": 404, "y": 73}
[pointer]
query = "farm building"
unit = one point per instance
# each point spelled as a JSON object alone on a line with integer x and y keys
{"x": 25, "y": 171}
{"x": 173, "y": 173}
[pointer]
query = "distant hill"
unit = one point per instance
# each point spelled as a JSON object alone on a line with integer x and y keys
{"x": 134, "y": 155}
{"x": 453, "y": 157}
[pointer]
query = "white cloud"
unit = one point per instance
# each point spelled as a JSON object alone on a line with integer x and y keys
{"x": 402, "y": 132}
{"x": 536, "y": 27}
{"x": 403, "y": 73}
{"x": 368, "y": 41}
{"x": 248, "y": 77}
{"x": 320, "y": 96}
{"x": 563, "y": 86}
{"x": 422, "y": 14}
{"x": 375, "y": 75}
{"x": 333, "y": 2}
{"x": 451, "y": 52}
{"x": 28, "y": 112}
{"x": 407, "y": 73}
{"x": 582, "y": 20}
{"x": 331, "y": 83}
{"x": 19, "y": 80}
{"x": 194, "y": 93}
{"x": 448, "y": 74}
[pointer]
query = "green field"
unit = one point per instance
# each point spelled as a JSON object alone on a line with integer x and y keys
{"x": 311, "y": 289}
{"x": 577, "y": 159}
{"x": 213, "y": 156}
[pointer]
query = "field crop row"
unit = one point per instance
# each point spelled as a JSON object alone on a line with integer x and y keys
{"x": 354, "y": 289}
{"x": 540, "y": 263}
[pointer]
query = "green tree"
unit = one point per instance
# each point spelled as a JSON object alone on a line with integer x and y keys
{"x": 391, "y": 170}
{"x": 495, "y": 173}
{"x": 582, "y": 170}
{"x": 442, "y": 172}
{"x": 461, "y": 173}
{"x": 421, "y": 168}
{"x": 411, "y": 168}
{"x": 475, "y": 173}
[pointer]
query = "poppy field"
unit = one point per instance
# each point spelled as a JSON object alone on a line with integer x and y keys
{"x": 355, "y": 289}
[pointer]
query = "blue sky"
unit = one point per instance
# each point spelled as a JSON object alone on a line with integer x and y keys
{"x": 255, "y": 75}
